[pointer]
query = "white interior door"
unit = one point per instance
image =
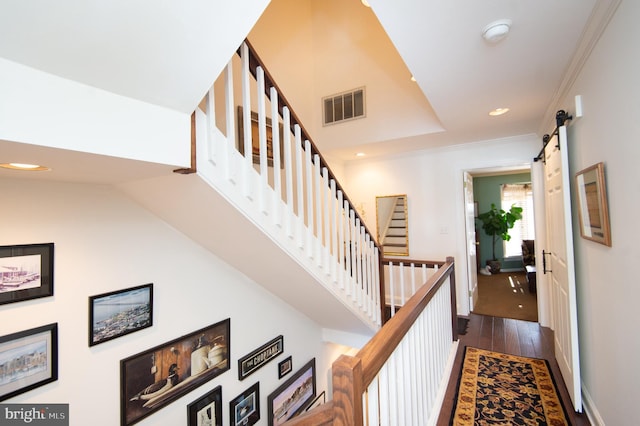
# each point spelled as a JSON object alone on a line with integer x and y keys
{"x": 471, "y": 240}
{"x": 559, "y": 261}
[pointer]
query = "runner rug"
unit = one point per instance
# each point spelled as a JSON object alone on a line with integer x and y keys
{"x": 501, "y": 389}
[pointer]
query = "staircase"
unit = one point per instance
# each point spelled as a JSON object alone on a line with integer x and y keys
{"x": 395, "y": 239}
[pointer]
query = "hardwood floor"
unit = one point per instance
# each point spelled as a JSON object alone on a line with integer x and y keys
{"x": 523, "y": 338}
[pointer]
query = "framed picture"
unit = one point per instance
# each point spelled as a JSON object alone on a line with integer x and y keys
{"x": 256, "y": 359}
{"x": 26, "y": 272}
{"x": 293, "y": 396}
{"x": 284, "y": 367}
{"x": 156, "y": 377}
{"x": 255, "y": 138}
{"x": 28, "y": 359}
{"x": 244, "y": 409}
{"x": 320, "y": 399}
{"x": 206, "y": 411}
{"x": 121, "y": 312}
{"x": 592, "y": 205}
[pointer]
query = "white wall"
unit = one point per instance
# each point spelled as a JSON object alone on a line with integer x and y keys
{"x": 433, "y": 182}
{"x": 42, "y": 109}
{"x": 607, "y": 287}
{"x": 104, "y": 242}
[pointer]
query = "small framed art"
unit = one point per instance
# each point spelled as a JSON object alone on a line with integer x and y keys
{"x": 29, "y": 360}
{"x": 207, "y": 410}
{"x": 284, "y": 367}
{"x": 121, "y": 312}
{"x": 592, "y": 205}
{"x": 26, "y": 272}
{"x": 244, "y": 409}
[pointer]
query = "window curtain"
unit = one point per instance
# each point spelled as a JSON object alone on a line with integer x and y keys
{"x": 521, "y": 195}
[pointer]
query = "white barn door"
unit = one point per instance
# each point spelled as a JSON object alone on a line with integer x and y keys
{"x": 559, "y": 263}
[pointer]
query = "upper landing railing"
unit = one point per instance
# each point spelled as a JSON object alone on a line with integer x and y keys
{"x": 253, "y": 149}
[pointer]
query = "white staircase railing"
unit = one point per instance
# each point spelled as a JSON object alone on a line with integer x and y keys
{"x": 263, "y": 162}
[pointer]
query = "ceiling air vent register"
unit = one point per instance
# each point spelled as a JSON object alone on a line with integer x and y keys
{"x": 343, "y": 106}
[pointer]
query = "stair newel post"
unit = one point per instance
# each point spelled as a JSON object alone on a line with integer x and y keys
{"x": 454, "y": 304}
{"x": 348, "y": 387}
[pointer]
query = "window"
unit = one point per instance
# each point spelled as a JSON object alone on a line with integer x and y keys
{"x": 521, "y": 195}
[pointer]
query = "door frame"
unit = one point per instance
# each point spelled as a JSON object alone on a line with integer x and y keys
{"x": 537, "y": 185}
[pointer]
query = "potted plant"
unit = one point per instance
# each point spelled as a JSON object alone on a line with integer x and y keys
{"x": 496, "y": 223}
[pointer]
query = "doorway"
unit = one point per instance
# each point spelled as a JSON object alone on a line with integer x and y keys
{"x": 511, "y": 292}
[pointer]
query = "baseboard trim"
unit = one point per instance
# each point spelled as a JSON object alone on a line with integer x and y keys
{"x": 590, "y": 409}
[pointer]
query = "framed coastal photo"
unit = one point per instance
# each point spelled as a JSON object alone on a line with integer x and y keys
{"x": 28, "y": 359}
{"x": 592, "y": 205}
{"x": 207, "y": 410}
{"x": 26, "y": 272}
{"x": 120, "y": 312}
{"x": 293, "y": 396}
{"x": 158, "y": 376}
{"x": 244, "y": 409}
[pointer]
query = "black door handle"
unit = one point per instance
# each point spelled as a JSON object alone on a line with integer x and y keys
{"x": 544, "y": 262}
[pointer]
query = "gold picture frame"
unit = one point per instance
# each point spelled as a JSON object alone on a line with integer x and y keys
{"x": 255, "y": 138}
{"x": 592, "y": 205}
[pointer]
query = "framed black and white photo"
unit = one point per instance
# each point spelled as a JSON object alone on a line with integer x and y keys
{"x": 121, "y": 312}
{"x": 293, "y": 396}
{"x": 28, "y": 359}
{"x": 244, "y": 409}
{"x": 207, "y": 410}
{"x": 26, "y": 272}
{"x": 156, "y": 377}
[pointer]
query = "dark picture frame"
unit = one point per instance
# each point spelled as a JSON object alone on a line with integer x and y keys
{"x": 258, "y": 358}
{"x": 121, "y": 312}
{"x": 244, "y": 409}
{"x": 293, "y": 396}
{"x": 320, "y": 399}
{"x": 206, "y": 410}
{"x": 158, "y": 376}
{"x": 255, "y": 138}
{"x": 36, "y": 350}
{"x": 26, "y": 272}
{"x": 285, "y": 367}
{"x": 592, "y": 205}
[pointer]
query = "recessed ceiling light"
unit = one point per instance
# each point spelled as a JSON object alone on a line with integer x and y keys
{"x": 365, "y": 2}
{"x": 413, "y": 78}
{"x": 24, "y": 167}
{"x": 360, "y": 154}
{"x": 498, "y": 111}
{"x": 496, "y": 31}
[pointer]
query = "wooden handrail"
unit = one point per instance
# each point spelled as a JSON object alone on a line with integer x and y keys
{"x": 351, "y": 375}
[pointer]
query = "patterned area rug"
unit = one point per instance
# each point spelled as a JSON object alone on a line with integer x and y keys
{"x": 501, "y": 389}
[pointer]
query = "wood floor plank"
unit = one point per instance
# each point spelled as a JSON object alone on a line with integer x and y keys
{"x": 512, "y": 342}
{"x": 498, "y": 335}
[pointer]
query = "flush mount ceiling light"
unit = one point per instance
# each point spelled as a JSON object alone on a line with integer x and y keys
{"x": 496, "y": 31}
{"x": 24, "y": 167}
{"x": 498, "y": 111}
